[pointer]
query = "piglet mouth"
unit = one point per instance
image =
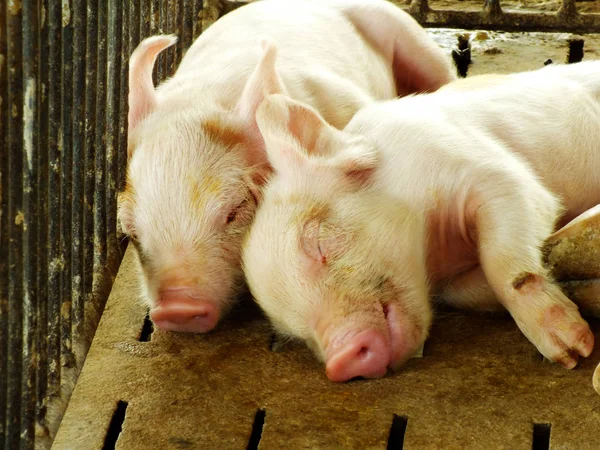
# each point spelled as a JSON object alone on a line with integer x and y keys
{"x": 368, "y": 353}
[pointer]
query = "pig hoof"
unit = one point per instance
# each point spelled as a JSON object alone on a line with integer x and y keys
{"x": 567, "y": 335}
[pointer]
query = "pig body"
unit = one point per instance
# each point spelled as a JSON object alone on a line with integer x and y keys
{"x": 196, "y": 157}
{"x": 448, "y": 194}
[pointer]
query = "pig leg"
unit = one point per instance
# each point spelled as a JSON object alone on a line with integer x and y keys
{"x": 596, "y": 379}
{"x": 470, "y": 290}
{"x": 512, "y": 225}
{"x": 419, "y": 64}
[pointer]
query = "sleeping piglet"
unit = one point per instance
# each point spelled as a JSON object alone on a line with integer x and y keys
{"x": 449, "y": 194}
{"x": 196, "y": 159}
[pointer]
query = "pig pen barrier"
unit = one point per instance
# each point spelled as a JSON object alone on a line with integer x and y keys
{"x": 63, "y": 109}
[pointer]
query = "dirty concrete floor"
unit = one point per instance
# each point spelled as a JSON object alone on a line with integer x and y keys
{"x": 480, "y": 383}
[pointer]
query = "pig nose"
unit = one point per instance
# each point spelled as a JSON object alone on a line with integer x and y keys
{"x": 366, "y": 354}
{"x": 180, "y": 310}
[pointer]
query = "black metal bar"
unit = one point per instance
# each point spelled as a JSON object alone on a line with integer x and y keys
{"x": 89, "y": 156}
{"x": 66, "y": 326}
{"x": 173, "y": 26}
{"x": 31, "y": 94}
{"x": 161, "y": 61}
{"x": 155, "y": 29}
{"x": 99, "y": 262}
{"x": 14, "y": 212}
{"x": 198, "y": 7}
{"x": 134, "y": 24}
{"x": 187, "y": 28}
{"x": 145, "y": 18}
{"x": 50, "y": 202}
{"x": 113, "y": 112}
{"x": 123, "y": 98}
{"x": 4, "y": 222}
{"x": 77, "y": 179}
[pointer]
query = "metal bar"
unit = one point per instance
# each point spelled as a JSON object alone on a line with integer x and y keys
{"x": 99, "y": 261}
{"x": 155, "y": 29}
{"x": 50, "y": 202}
{"x": 113, "y": 87}
{"x": 4, "y": 212}
{"x": 161, "y": 61}
{"x": 134, "y": 24}
{"x": 66, "y": 150}
{"x": 91, "y": 90}
{"x": 77, "y": 171}
{"x": 123, "y": 102}
{"x": 145, "y": 18}
{"x": 187, "y": 28}
{"x": 172, "y": 26}
{"x": 29, "y": 250}
{"x": 198, "y": 7}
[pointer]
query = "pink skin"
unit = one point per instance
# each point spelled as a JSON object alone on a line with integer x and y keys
{"x": 469, "y": 195}
{"x": 333, "y": 279}
{"x": 179, "y": 309}
{"x": 196, "y": 159}
{"x": 369, "y": 353}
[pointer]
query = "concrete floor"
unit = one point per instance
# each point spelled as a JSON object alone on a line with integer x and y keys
{"x": 480, "y": 384}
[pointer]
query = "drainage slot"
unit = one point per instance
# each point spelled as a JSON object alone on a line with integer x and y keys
{"x": 115, "y": 427}
{"x": 147, "y": 329}
{"x": 541, "y": 436}
{"x": 396, "y": 438}
{"x": 257, "y": 428}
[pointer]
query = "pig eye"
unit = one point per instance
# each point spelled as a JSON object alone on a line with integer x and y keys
{"x": 233, "y": 214}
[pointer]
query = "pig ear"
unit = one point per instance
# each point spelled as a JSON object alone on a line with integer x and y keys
{"x": 357, "y": 159}
{"x": 285, "y": 126}
{"x": 263, "y": 81}
{"x": 296, "y": 134}
{"x": 142, "y": 97}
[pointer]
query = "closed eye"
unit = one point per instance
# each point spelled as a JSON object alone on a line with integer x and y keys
{"x": 233, "y": 214}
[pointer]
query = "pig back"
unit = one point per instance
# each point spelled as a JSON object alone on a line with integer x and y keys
{"x": 549, "y": 118}
{"x": 322, "y": 59}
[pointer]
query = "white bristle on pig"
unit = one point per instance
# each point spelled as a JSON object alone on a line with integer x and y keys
{"x": 196, "y": 157}
{"x": 449, "y": 194}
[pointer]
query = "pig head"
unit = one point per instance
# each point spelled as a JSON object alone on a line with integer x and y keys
{"x": 198, "y": 195}
{"x": 323, "y": 258}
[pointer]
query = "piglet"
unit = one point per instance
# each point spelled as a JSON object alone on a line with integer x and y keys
{"x": 196, "y": 159}
{"x": 449, "y": 194}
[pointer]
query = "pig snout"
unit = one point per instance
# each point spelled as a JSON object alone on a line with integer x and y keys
{"x": 183, "y": 309}
{"x": 369, "y": 352}
{"x": 365, "y": 354}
